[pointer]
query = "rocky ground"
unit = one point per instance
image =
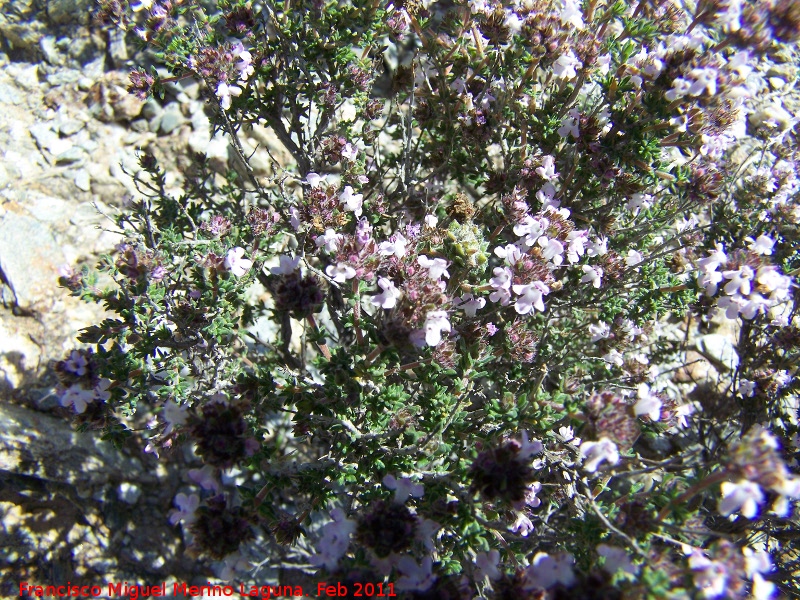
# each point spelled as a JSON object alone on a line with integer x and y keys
{"x": 74, "y": 508}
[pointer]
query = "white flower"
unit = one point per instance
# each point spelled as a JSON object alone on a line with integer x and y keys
{"x": 431, "y": 221}
{"x": 616, "y": 559}
{"x": 576, "y": 245}
{"x": 592, "y": 275}
{"x": 744, "y": 497}
{"x": 390, "y": 295}
{"x": 470, "y": 304}
{"x": 761, "y": 245}
{"x": 224, "y": 93}
{"x": 596, "y": 452}
{"x": 329, "y": 240}
{"x": 174, "y": 414}
{"x": 600, "y": 331}
{"x": 648, "y": 404}
{"x": 404, "y": 488}
{"x": 352, "y": 202}
{"x": 570, "y": 125}
{"x": 713, "y": 260}
{"x": 314, "y": 179}
{"x": 564, "y": 66}
{"x": 633, "y": 258}
{"x": 597, "y": 247}
{"x": 436, "y": 321}
{"x": 350, "y": 152}
{"x": 566, "y": 433}
{"x": 341, "y": 272}
{"x": 288, "y": 264}
{"x": 437, "y": 267}
{"x": 236, "y": 263}
{"x": 614, "y": 357}
{"x": 739, "y": 280}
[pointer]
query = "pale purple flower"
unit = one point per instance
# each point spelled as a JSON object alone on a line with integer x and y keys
{"x": 548, "y": 169}
{"x": 552, "y": 250}
{"x": 395, "y": 247}
{"x": 352, "y": 202}
{"x": 501, "y": 283}
{"x": 245, "y": 63}
{"x": 76, "y": 363}
{"x": 470, "y": 304}
{"x": 528, "y": 447}
{"x": 617, "y": 559}
{"x": 530, "y": 297}
{"x": 224, "y": 93}
{"x": 436, "y": 321}
{"x": 294, "y": 218}
{"x": 511, "y": 253}
{"x": 633, "y": 258}
{"x": 491, "y": 329}
{"x": 437, "y": 267}
{"x": 522, "y": 525}
{"x": 415, "y": 577}
{"x": 329, "y": 240}
{"x": 572, "y": 14}
{"x": 78, "y": 397}
{"x": 341, "y": 272}
{"x": 576, "y": 247}
{"x": 390, "y": 295}
{"x": 743, "y": 497}
{"x": 206, "y": 478}
{"x": 288, "y": 264}
{"x": 565, "y": 65}
{"x": 404, "y": 488}
{"x": 747, "y": 388}
{"x": 597, "y": 452}
{"x": 639, "y": 201}
{"x": 761, "y": 245}
{"x": 187, "y": 505}
{"x": 486, "y": 564}
{"x": 592, "y": 275}
{"x": 334, "y": 542}
{"x": 547, "y": 570}
{"x": 236, "y": 263}
{"x": 570, "y": 125}
{"x": 350, "y": 152}
{"x": 710, "y": 577}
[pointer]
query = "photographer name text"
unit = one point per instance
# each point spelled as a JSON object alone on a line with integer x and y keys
{"x": 184, "y": 590}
